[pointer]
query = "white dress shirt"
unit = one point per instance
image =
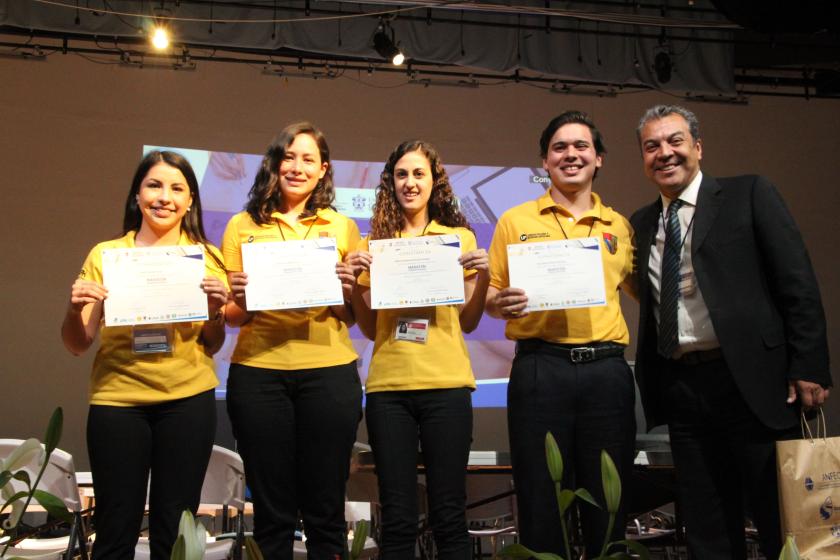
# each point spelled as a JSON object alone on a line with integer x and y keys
{"x": 694, "y": 326}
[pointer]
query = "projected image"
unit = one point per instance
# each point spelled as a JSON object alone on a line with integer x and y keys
{"x": 484, "y": 193}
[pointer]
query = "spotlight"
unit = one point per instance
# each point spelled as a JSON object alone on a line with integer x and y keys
{"x": 160, "y": 38}
{"x": 383, "y": 43}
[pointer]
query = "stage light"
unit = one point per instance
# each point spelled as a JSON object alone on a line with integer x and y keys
{"x": 160, "y": 38}
{"x": 384, "y": 44}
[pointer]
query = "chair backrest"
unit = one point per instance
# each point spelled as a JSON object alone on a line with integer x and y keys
{"x": 59, "y": 477}
{"x": 224, "y": 482}
{"x": 496, "y": 491}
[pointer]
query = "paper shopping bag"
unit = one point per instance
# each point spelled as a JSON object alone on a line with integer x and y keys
{"x": 809, "y": 488}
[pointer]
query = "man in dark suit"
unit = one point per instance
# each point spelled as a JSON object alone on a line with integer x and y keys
{"x": 732, "y": 335}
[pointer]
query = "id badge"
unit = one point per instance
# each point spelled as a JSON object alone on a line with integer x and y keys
{"x": 152, "y": 340}
{"x": 412, "y": 329}
{"x": 687, "y": 284}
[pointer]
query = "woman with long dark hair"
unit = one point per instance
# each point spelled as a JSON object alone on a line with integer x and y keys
{"x": 294, "y": 395}
{"x": 419, "y": 392}
{"x": 150, "y": 411}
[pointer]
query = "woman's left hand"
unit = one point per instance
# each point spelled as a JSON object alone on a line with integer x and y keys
{"x": 475, "y": 260}
{"x": 217, "y": 294}
{"x": 344, "y": 271}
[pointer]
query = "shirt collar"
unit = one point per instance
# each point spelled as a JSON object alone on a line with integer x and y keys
{"x": 598, "y": 210}
{"x": 688, "y": 194}
{"x": 322, "y": 214}
{"x": 131, "y": 238}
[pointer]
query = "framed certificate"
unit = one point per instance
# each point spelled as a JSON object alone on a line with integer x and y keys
{"x": 154, "y": 285}
{"x": 291, "y": 274}
{"x": 416, "y": 272}
{"x": 558, "y": 274}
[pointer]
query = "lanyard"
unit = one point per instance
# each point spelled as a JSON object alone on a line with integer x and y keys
{"x": 283, "y": 235}
{"x": 554, "y": 213}
{"x": 422, "y": 233}
{"x": 687, "y": 229}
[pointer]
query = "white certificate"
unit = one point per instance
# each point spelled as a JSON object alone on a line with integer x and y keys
{"x": 416, "y": 272}
{"x": 291, "y": 274}
{"x": 154, "y": 285}
{"x": 558, "y": 274}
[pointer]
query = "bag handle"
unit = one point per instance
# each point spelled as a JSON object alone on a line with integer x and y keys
{"x": 806, "y": 428}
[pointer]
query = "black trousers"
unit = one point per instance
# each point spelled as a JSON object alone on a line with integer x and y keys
{"x": 440, "y": 420}
{"x": 587, "y": 407}
{"x": 723, "y": 456}
{"x": 295, "y": 431}
{"x": 173, "y": 440}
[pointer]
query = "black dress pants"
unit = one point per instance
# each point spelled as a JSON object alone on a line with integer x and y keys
{"x": 440, "y": 420}
{"x": 173, "y": 440}
{"x": 723, "y": 456}
{"x": 587, "y": 407}
{"x": 295, "y": 431}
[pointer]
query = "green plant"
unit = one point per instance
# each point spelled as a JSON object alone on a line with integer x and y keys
{"x": 12, "y": 468}
{"x": 565, "y": 499}
{"x": 360, "y": 534}
{"x": 789, "y": 551}
{"x": 191, "y": 542}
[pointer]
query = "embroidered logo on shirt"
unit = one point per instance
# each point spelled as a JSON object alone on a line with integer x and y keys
{"x": 611, "y": 243}
{"x": 527, "y": 236}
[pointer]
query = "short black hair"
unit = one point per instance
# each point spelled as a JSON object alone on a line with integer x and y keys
{"x": 571, "y": 117}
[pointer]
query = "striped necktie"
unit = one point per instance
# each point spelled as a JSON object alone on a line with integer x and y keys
{"x": 669, "y": 293}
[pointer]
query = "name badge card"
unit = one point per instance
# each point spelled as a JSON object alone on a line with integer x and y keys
{"x": 291, "y": 274}
{"x": 413, "y": 329}
{"x": 561, "y": 274}
{"x": 149, "y": 285}
{"x": 416, "y": 272}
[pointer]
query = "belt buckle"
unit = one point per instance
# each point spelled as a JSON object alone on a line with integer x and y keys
{"x": 581, "y": 354}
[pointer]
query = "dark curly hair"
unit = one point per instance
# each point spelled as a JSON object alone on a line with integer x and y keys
{"x": 265, "y": 196}
{"x": 388, "y": 218}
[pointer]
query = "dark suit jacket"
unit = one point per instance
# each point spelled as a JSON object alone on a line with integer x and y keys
{"x": 756, "y": 277}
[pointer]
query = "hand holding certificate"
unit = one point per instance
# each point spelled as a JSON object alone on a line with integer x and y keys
{"x": 154, "y": 285}
{"x": 416, "y": 272}
{"x": 558, "y": 274}
{"x": 291, "y": 274}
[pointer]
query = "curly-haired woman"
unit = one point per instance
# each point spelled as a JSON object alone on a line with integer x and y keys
{"x": 293, "y": 394}
{"x": 420, "y": 392}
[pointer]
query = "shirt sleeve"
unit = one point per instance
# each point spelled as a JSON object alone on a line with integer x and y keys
{"x": 352, "y": 239}
{"x": 212, "y": 266}
{"x": 468, "y": 243}
{"x": 364, "y": 277}
{"x": 499, "y": 278}
{"x": 232, "y": 245}
{"x": 92, "y": 267}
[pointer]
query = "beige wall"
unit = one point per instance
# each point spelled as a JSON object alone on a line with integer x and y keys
{"x": 71, "y": 132}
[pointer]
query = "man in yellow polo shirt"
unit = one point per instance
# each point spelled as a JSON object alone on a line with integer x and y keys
{"x": 569, "y": 375}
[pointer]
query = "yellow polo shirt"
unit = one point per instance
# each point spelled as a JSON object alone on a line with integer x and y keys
{"x": 299, "y": 338}
{"x": 536, "y": 221}
{"x": 442, "y": 362}
{"x": 122, "y": 378}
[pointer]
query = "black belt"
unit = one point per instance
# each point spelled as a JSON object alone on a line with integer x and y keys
{"x": 577, "y": 354}
{"x": 700, "y": 357}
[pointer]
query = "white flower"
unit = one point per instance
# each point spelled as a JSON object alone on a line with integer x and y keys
{"x": 23, "y": 455}
{"x": 18, "y": 459}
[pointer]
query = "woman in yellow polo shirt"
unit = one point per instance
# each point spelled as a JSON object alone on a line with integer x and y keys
{"x": 293, "y": 394}
{"x": 420, "y": 380}
{"x": 151, "y": 394}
